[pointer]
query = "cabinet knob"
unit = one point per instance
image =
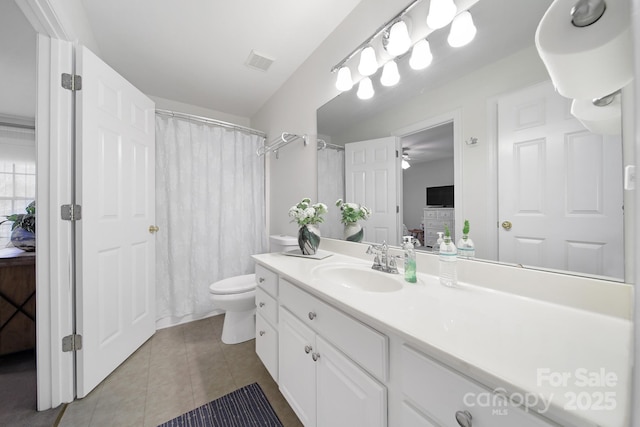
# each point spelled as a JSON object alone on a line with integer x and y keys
{"x": 261, "y": 279}
{"x": 307, "y": 349}
{"x": 464, "y": 418}
{"x": 312, "y": 315}
{"x": 261, "y": 304}
{"x": 316, "y": 356}
{"x": 262, "y": 333}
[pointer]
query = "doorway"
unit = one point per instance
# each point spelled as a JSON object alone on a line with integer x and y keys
{"x": 17, "y": 191}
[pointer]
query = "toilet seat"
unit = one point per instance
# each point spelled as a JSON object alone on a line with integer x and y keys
{"x": 234, "y": 285}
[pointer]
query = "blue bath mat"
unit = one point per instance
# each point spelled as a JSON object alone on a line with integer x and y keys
{"x": 245, "y": 407}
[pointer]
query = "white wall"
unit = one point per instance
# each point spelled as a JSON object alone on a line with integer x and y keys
{"x": 415, "y": 180}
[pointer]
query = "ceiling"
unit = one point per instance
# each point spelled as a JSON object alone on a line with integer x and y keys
{"x": 195, "y": 51}
{"x": 191, "y": 51}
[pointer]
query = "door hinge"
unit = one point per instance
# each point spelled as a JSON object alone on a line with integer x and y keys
{"x": 71, "y": 212}
{"x": 397, "y": 209}
{"x": 72, "y": 342}
{"x": 397, "y": 154}
{"x": 71, "y": 81}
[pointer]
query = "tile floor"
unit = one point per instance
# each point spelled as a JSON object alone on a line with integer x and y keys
{"x": 178, "y": 369}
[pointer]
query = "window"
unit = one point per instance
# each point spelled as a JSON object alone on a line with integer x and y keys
{"x": 17, "y": 174}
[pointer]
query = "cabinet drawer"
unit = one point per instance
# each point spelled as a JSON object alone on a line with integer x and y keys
{"x": 441, "y": 392}
{"x": 446, "y": 214}
{"x": 266, "y": 306}
{"x": 365, "y": 346}
{"x": 428, "y": 213}
{"x": 267, "y": 280}
{"x": 267, "y": 345}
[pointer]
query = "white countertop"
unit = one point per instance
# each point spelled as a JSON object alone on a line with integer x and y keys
{"x": 543, "y": 351}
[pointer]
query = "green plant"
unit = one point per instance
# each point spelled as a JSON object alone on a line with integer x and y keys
{"x": 352, "y": 212}
{"x": 465, "y": 229}
{"x": 26, "y": 221}
{"x": 306, "y": 213}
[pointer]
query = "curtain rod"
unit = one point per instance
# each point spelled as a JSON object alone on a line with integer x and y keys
{"x": 17, "y": 125}
{"x": 210, "y": 121}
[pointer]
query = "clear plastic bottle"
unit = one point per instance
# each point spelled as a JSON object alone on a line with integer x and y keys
{"x": 448, "y": 261}
{"x": 466, "y": 248}
{"x": 409, "y": 259}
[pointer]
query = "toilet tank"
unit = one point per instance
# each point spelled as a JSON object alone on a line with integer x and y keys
{"x": 282, "y": 243}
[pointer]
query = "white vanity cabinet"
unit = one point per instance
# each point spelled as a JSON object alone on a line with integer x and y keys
{"x": 325, "y": 387}
{"x": 267, "y": 319}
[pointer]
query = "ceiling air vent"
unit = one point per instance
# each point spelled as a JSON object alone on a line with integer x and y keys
{"x": 258, "y": 61}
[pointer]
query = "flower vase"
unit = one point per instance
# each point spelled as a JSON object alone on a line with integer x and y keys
{"x": 309, "y": 239}
{"x": 353, "y": 232}
{"x": 23, "y": 239}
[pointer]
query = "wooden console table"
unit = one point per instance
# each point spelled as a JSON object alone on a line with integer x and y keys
{"x": 17, "y": 303}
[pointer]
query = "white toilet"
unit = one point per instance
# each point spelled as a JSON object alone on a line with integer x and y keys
{"x": 237, "y": 296}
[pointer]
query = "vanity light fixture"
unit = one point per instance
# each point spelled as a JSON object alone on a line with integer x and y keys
{"x": 368, "y": 62}
{"x": 390, "y": 75}
{"x": 396, "y": 40}
{"x": 365, "y": 89}
{"x": 441, "y": 13}
{"x": 344, "y": 81}
{"x": 462, "y": 30}
{"x": 421, "y": 56}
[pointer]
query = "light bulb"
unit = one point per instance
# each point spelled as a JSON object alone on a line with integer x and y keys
{"x": 390, "y": 75}
{"x": 405, "y": 164}
{"x": 368, "y": 62}
{"x": 365, "y": 89}
{"x": 399, "y": 41}
{"x": 441, "y": 12}
{"x": 421, "y": 56}
{"x": 462, "y": 30}
{"x": 344, "y": 81}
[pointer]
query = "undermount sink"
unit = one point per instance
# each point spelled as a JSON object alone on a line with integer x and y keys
{"x": 358, "y": 277}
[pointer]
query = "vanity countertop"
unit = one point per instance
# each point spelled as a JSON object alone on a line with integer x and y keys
{"x": 570, "y": 364}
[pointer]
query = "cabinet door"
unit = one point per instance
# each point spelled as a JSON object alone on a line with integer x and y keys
{"x": 347, "y": 396}
{"x": 297, "y": 374}
{"x": 267, "y": 345}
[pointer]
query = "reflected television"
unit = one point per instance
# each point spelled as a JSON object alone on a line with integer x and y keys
{"x": 440, "y": 196}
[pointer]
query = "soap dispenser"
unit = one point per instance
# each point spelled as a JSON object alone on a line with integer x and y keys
{"x": 436, "y": 248}
{"x": 409, "y": 259}
{"x": 448, "y": 260}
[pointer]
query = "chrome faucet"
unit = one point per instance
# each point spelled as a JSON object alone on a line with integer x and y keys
{"x": 382, "y": 261}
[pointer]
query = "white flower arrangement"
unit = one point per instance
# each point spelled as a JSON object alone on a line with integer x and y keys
{"x": 352, "y": 212}
{"x": 306, "y": 213}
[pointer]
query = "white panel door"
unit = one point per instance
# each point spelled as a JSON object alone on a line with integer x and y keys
{"x": 371, "y": 179}
{"x": 560, "y": 187}
{"x": 116, "y": 252}
{"x": 347, "y": 396}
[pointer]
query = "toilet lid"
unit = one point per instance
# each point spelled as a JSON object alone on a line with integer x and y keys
{"x": 234, "y": 285}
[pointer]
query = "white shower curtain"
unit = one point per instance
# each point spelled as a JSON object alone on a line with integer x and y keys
{"x": 330, "y": 189}
{"x": 210, "y": 207}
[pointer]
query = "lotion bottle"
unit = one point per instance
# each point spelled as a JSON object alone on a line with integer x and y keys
{"x": 409, "y": 259}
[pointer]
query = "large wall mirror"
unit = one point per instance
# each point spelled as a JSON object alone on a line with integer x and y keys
{"x": 482, "y": 120}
